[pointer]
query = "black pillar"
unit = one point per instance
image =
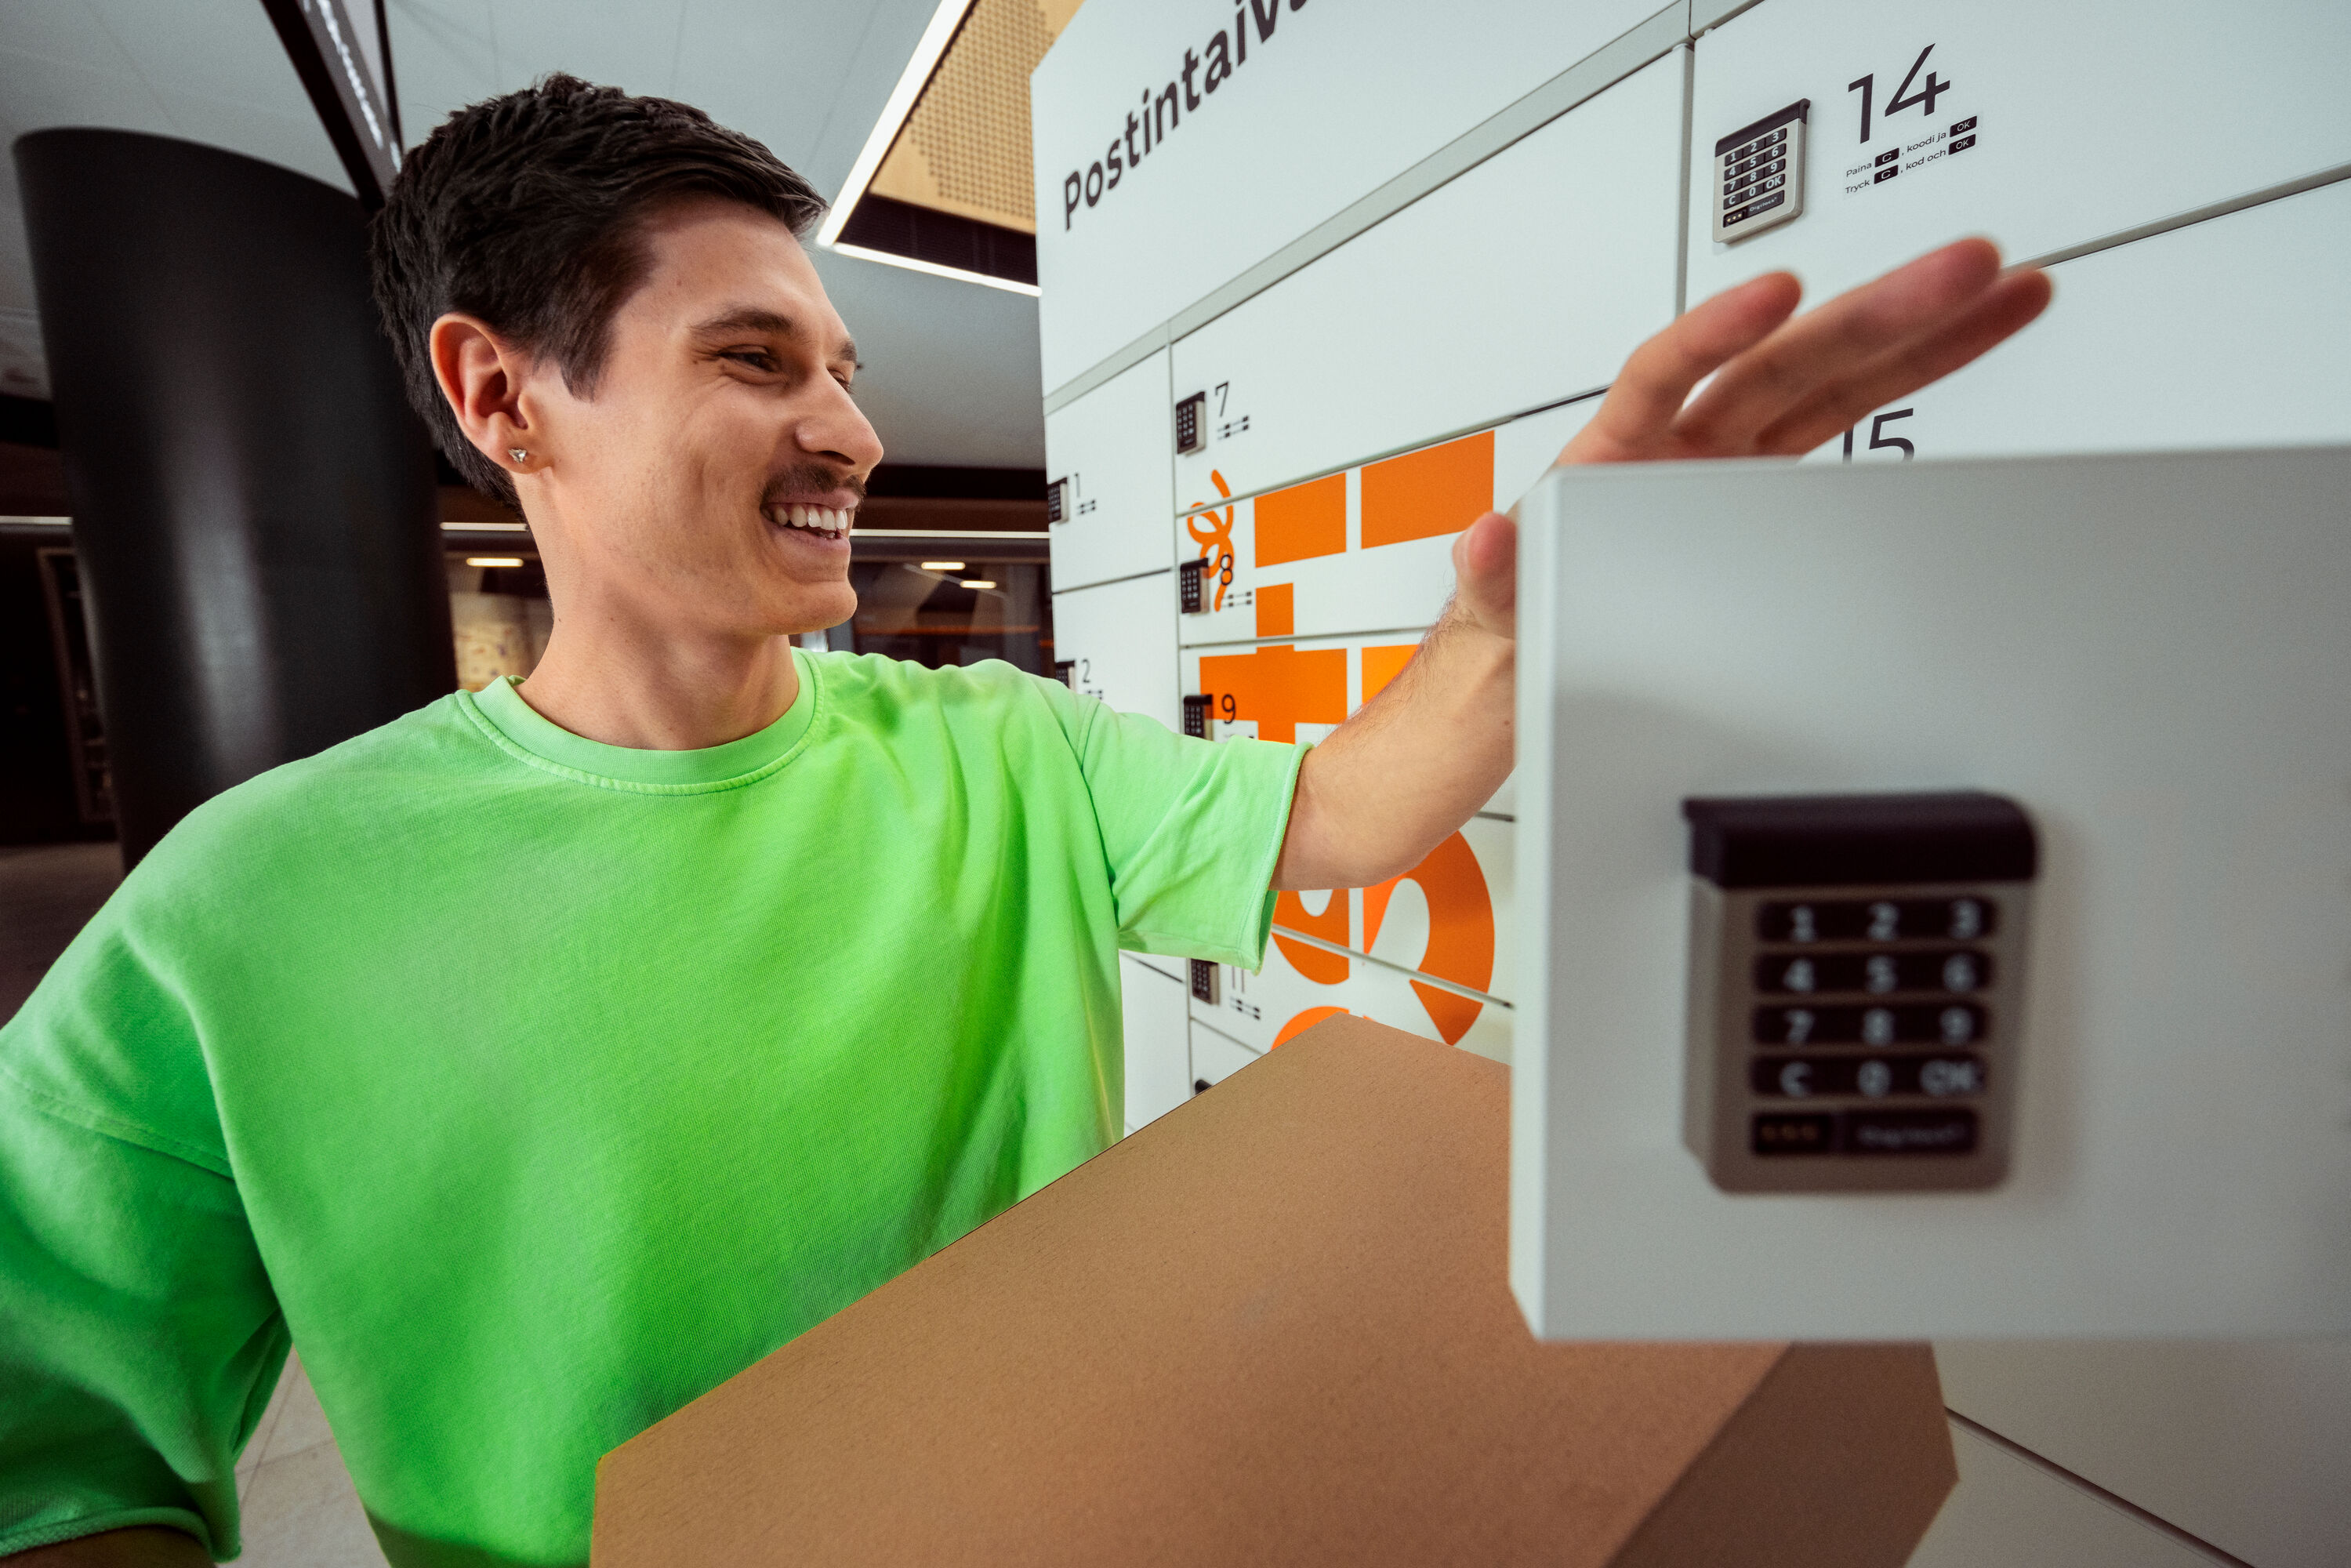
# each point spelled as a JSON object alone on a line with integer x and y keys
{"x": 253, "y": 503}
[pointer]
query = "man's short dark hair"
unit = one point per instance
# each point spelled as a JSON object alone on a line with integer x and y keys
{"x": 530, "y": 210}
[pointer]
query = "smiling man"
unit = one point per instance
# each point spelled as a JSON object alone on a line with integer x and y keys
{"x": 539, "y": 1060}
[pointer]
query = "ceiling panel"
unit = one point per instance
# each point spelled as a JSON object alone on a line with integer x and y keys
{"x": 205, "y": 70}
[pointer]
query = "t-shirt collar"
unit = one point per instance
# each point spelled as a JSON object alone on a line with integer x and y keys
{"x": 540, "y": 740}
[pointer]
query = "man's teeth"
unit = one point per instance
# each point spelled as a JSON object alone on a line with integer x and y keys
{"x": 817, "y": 520}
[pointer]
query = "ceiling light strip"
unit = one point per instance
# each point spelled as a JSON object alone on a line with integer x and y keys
{"x": 891, "y": 258}
{"x": 911, "y": 82}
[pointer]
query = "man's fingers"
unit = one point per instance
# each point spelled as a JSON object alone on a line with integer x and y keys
{"x": 2008, "y": 305}
{"x": 1656, "y": 380}
{"x": 1825, "y": 348}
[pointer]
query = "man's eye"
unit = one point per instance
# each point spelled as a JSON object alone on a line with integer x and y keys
{"x": 758, "y": 359}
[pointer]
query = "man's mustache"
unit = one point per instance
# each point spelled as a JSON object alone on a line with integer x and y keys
{"x": 810, "y": 478}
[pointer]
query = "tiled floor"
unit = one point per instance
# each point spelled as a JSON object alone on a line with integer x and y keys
{"x": 299, "y": 1508}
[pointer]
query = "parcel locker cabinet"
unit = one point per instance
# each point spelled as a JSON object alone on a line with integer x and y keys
{"x": 1365, "y": 549}
{"x": 2041, "y": 126}
{"x": 1117, "y": 642}
{"x": 1176, "y": 146}
{"x": 1521, "y": 283}
{"x": 1107, "y": 477}
{"x": 1303, "y": 984}
{"x": 2146, "y": 657}
{"x": 2235, "y": 332}
{"x": 1158, "y": 1033}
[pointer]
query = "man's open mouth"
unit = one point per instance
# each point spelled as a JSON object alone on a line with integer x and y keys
{"x": 825, "y": 522}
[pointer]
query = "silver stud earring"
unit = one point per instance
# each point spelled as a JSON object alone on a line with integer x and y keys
{"x": 518, "y": 453}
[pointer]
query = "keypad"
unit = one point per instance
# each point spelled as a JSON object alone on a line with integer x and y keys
{"x": 1756, "y": 173}
{"x": 1856, "y": 976}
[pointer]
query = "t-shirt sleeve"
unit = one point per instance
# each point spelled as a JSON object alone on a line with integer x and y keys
{"x": 140, "y": 1339}
{"x": 1192, "y": 830}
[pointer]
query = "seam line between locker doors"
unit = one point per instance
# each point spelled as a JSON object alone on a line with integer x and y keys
{"x": 1438, "y": 981}
{"x": 2193, "y": 215}
{"x": 1418, "y": 445}
{"x": 1682, "y": 221}
{"x": 2114, "y": 1500}
{"x": 1643, "y": 44}
{"x": 1724, "y": 11}
{"x": 1108, "y": 581}
{"x": 1183, "y": 647}
{"x": 1198, "y": 1023}
{"x": 1146, "y": 965}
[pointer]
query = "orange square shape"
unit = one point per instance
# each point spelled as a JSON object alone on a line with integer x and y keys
{"x": 1276, "y": 610}
{"x": 1303, "y": 521}
{"x": 1437, "y": 490}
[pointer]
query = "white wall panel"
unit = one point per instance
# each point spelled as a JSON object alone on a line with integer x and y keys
{"x": 1158, "y": 1041}
{"x": 2091, "y": 117}
{"x": 1335, "y": 102}
{"x": 2007, "y": 1512}
{"x": 1122, "y": 638}
{"x": 1113, "y": 448}
{"x": 2246, "y": 1446}
{"x": 2235, "y": 332}
{"x": 1526, "y": 280}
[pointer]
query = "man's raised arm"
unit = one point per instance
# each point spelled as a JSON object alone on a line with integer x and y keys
{"x": 1420, "y": 759}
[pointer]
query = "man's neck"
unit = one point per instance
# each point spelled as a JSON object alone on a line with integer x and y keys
{"x": 657, "y": 694}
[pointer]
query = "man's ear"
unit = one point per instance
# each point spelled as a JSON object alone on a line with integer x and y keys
{"x": 482, "y": 376}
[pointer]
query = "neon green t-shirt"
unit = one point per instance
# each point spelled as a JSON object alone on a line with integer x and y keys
{"x": 536, "y": 1086}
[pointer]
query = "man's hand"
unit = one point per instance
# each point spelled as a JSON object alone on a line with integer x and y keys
{"x": 1781, "y": 386}
{"x": 1420, "y": 757}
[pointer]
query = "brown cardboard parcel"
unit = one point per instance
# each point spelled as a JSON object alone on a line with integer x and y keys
{"x": 1274, "y": 1327}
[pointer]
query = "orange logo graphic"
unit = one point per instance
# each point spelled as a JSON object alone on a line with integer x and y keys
{"x": 1460, "y": 938}
{"x": 1216, "y": 543}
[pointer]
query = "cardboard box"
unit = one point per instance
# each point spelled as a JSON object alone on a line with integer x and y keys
{"x": 1274, "y": 1327}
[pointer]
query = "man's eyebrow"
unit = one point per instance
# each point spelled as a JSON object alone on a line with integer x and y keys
{"x": 747, "y": 319}
{"x": 758, "y": 320}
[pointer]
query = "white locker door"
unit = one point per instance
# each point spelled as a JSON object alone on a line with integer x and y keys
{"x": 2246, "y": 1446}
{"x": 1158, "y": 1041}
{"x": 2042, "y": 126}
{"x": 1216, "y": 1057}
{"x": 1301, "y": 985}
{"x": 1366, "y": 549}
{"x": 2235, "y": 332}
{"x": 1277, "y": 129}
{"x": 1119, "y": 639}
{"x": 1109, "y": 456}
{"x": 1525, "y": 281}
{"x": 2148, "y": 654}
{"x": 2009, "y": 1513}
